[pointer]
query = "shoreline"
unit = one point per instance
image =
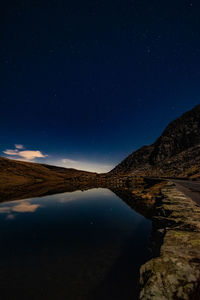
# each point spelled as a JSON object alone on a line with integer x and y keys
{"x": 174, "y": 272}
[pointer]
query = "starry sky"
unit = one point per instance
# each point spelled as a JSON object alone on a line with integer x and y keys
{"x": 85, "y": 83}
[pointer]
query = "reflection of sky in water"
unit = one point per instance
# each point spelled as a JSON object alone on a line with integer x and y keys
{"x": 67, "y": 244}
{"x": 31, "y": 205}
{"x": 23, "y": 206}
{"x": 100, "y": 201}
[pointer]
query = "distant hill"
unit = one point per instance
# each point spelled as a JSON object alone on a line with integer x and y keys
{"x": 176, "y": 153}
{"x": 19, "y": 177}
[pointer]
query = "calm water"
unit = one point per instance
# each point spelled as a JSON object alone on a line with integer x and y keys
{"x": 79, "y": 245}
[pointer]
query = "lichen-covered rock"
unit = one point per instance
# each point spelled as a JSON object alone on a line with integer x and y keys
{"x": 168, "y": 277}
{"x": 175, "y": 273}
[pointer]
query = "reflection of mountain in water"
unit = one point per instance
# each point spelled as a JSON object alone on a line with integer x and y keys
{"x": 124, "y": 192}
{"x": 79, "y": 245}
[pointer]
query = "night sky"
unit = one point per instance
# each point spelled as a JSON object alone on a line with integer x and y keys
{"x": 85, "y": 83}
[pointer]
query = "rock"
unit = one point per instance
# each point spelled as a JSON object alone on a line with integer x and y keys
{"x": 175, "y": 273}
{"x": 175, "y": 153}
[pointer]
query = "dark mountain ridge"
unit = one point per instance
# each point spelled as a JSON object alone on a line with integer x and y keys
{"x": 175, "y": 153}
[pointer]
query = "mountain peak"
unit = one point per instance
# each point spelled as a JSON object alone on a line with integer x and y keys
{"x": 180, "y": 138}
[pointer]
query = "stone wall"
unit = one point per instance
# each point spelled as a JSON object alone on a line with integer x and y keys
{"x": 175, "y": 272}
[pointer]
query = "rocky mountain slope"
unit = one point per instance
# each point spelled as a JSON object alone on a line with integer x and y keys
{"x": 175, "y": 153}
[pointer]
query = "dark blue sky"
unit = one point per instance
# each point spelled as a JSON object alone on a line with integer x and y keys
{"x": 88, "y": 82}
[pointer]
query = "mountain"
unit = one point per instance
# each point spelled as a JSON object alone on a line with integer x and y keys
{"x": 176, "y": 153}
{"x": 20, "y": 178}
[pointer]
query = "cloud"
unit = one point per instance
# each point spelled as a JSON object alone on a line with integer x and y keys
{"x": 85, "y": 166}
{"x": 77, "y": 195}
{"x": 11, "y": 152}
{"x": 29, "y": 155}
{"x": 18, "y": 146}
{"x": 4, "y": 210}
{"x": 68, "y": 161}
{"x": 24, "y": 154}
{"x": 23, "y": 206}
{"x": 20, "y": 153}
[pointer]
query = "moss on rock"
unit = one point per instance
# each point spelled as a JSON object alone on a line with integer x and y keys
{"x": 175, "y": 273}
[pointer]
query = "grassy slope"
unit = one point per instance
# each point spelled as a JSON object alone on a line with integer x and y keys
{"x": 17, "y": 177}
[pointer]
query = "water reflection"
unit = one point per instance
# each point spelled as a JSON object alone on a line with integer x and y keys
{"x": 73, "y": 245}
{"x": 25, "y": 206}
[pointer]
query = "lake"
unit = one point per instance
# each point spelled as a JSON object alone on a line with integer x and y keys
{"x": 74, "y": 246}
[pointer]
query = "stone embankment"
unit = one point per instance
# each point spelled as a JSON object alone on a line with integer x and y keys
{"x": 175, "y": 272}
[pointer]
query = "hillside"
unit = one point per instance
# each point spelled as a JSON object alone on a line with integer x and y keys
{"x": 175, "y": 153}
{"x": 18, "y": 178}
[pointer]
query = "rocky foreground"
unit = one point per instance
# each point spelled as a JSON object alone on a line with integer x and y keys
{"x": 175, "y": 272}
